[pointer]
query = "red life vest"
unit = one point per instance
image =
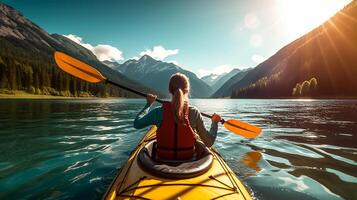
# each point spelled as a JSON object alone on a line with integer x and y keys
{"x": 175, "y": 141}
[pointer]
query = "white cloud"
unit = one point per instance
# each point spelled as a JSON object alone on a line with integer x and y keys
{"x": 107, "y": 52}
{"x": 217, "y": 70}
{"x": 101, "y": 51}
{"x": 251, "y": 21}
{"x": 256, "y": 40}
{"x": 257, "y": 58}
{"x": 159, "y": 52}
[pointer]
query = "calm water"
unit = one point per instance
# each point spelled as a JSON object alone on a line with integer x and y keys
{"x": 71, "y": 149}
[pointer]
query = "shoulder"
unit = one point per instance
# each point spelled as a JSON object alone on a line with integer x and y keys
{"x": 158, "y": 109}
{"x": 193, "y": 110}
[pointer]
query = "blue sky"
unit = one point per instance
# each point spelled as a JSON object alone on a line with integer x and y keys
{"x": 203, "y": 36}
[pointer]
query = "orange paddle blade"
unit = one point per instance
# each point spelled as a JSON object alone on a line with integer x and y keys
{"x": 242, "y": 128}
{"x": 78, "y": 68}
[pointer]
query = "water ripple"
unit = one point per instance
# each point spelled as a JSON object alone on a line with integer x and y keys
{"x": 72, "y": 149}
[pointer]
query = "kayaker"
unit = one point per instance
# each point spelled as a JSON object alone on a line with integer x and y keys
{"x": 178, "y": 122}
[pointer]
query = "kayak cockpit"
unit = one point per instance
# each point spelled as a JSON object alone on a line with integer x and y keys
{"x": 144, "y": 178}
{"x": 173, "y": 169}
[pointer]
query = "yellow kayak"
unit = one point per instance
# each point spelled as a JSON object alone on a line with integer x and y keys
{"x": 207, "y": 176}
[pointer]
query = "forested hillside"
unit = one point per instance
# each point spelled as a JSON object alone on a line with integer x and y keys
{"x": 27, "y": 63}
{"x": 36, "y": 73}
{"x": 322, "y": 63}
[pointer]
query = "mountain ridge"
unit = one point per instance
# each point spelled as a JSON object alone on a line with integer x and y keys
{"x": 27, "y": 63}
{"x": 156, "y": 74}
{"x": 326, "y": 55}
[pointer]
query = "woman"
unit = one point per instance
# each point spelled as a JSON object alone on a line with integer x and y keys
{"x": 177, "y": 122}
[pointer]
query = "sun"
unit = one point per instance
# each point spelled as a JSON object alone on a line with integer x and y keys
{"x": 297, "y": 17}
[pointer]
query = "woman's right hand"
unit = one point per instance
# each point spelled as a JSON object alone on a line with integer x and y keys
{"x": 150, "y": 98}
{"x": 216, "y": 118}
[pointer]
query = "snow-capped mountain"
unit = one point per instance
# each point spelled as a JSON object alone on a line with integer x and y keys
{"x": 156, "y": 74}
{"x": 216, "y": 81}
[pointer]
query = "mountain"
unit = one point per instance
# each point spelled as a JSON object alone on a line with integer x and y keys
{"x": 216, "y": 81}
{"x": 111, "y": 64}
{"x": 73, "y": 47}
{"x": 212, "y": 78}
{"x": 26, "y": 61}
{"x": 225, "y": 89}
{"x": 156, "y": 74}
{"x": 322, "y": 63}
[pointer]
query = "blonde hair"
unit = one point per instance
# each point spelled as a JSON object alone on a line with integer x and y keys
{"x": 179, "y": 86}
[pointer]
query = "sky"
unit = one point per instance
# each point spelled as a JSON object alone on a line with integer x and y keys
{"x": 203, "y": 36}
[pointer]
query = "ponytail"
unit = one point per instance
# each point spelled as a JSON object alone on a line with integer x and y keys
{"x": 178, "y": 104}
{"x": 179, "y": 88}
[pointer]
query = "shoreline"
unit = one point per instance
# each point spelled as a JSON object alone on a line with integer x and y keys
{"x": 24, "y": 95}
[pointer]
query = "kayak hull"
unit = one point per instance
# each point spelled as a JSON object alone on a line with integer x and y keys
{"x": 132, "y": 182}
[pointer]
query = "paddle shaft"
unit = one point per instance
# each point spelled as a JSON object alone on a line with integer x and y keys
{"x": 86, "y": 72}
{"x": 131, "y": 90}
{"x": 144, "y": 95}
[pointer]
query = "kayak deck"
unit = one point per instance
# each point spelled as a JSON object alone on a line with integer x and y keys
{"x": 219, "y": 182}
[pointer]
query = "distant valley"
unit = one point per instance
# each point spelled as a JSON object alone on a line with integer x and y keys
{"x": 216, "y": 81}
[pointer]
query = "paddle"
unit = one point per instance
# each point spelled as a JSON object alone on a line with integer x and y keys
{"x": 86, "y": 72}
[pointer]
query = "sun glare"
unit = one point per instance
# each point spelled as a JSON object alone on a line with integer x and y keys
{"x": 297, "y": 17}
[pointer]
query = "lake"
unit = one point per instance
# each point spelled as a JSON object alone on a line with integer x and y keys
{"x": 71, "y": 149}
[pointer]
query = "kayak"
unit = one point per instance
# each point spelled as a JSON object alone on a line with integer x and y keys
{"x": 144, "y": 176}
